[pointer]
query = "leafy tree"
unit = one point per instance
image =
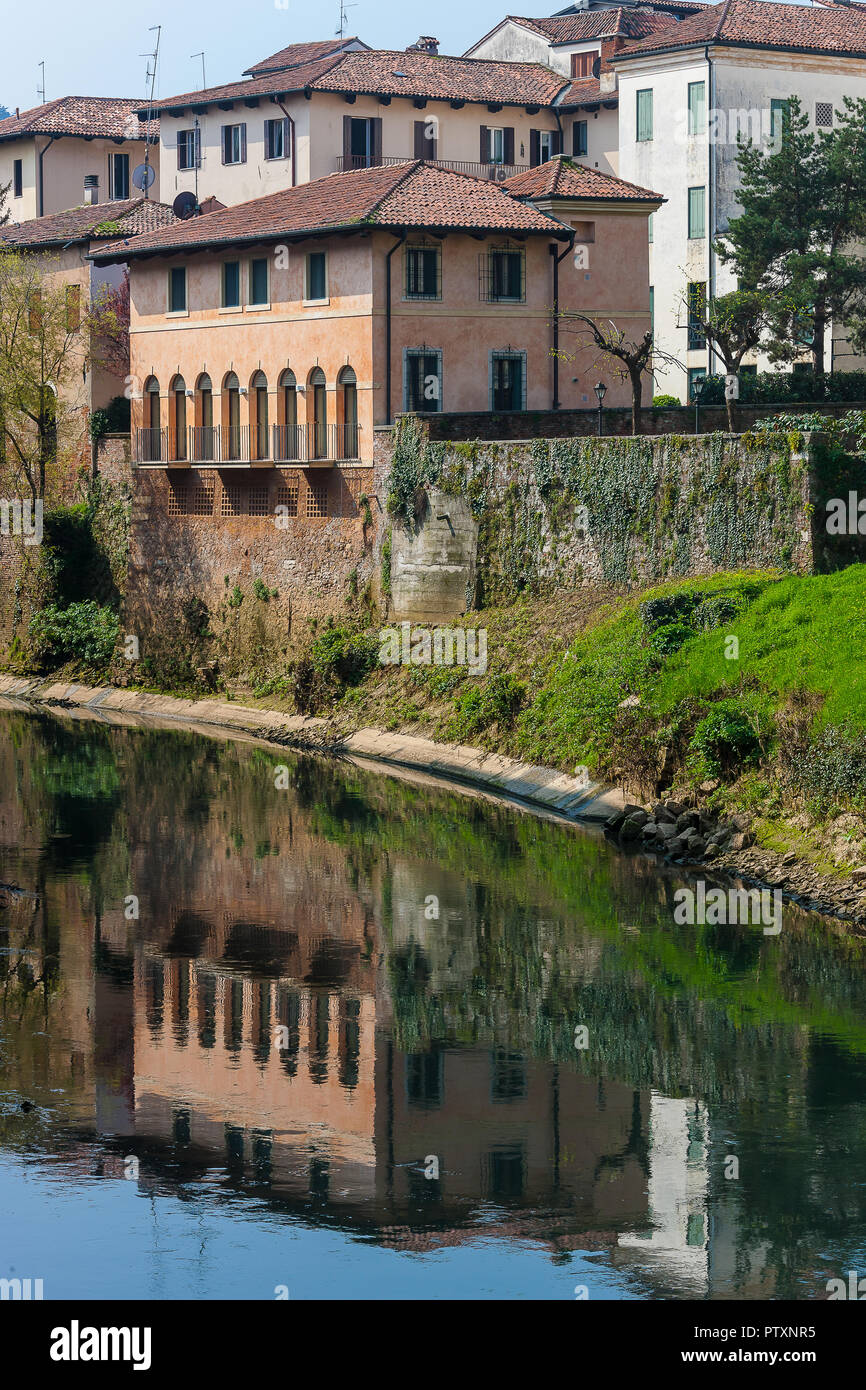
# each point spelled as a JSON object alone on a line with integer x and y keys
{"x": 804, "y": 211}
{"x": 733, "y": 325}
{"x": 630, "y": 359}
{"x": 46, "y": 338}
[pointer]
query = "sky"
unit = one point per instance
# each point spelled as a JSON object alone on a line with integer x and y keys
{"x": 95, "y": 49}
{"x": 103, "y": 58}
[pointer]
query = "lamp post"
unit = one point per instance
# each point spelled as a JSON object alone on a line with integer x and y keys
{"x": 698, "y": 390}
{"x": 600, "y": 391}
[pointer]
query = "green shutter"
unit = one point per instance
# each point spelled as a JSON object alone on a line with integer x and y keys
{"x": 645, "y": 114}
{"x": 697, "y": 108}
{"x": 697, "y": 217}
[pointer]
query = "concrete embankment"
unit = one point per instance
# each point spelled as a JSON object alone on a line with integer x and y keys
{"x": 542, "y": 787}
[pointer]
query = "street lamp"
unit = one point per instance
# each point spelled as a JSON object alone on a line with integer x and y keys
{"x": 698, "y": 389}
{"x": 600, "y": 392}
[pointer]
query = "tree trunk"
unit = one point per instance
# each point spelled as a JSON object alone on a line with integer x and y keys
{"x": 635, "y": 374}
{"x": 818, "y": 339}
{"x": 729, "y": 406}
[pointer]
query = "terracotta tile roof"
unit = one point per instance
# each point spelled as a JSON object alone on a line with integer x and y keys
{"x": 288, "y": 80}
{"x": 597, "y": 24}
{"x": 104, "y": 221}
{"x": 560, "y": 177}
{"x": 375, "y": 71}
{"x": 586, "y": 91}
{"x": 298, "y": 53}
{"x": 763, "y": 24}
{"x": 111, "y": 117}
{"x": 413, "y": 194}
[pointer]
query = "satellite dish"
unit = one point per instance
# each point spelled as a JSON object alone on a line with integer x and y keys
{"x": 143, "y": 176}
{"x": 184, "y": 205}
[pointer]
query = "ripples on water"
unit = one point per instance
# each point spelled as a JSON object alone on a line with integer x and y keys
{"x": 322, "y": 1040}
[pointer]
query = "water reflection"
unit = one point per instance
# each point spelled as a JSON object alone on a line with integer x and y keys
{"x": 353, "y": 1005}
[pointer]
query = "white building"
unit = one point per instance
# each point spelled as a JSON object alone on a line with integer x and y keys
{"x": 684, "y": 92}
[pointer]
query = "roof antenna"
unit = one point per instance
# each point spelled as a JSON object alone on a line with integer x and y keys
{"x": 203, "y": 78}
{"x": 152, "y": 58}
{"x": 341, "y": 31}
{"x": 40, "y": 91}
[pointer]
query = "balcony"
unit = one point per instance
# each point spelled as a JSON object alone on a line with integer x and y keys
{"x": 496, "y": 172}
{"x": 228, "y": 446}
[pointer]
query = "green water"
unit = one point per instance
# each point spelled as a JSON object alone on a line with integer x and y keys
{"x": 321, "y": 1037}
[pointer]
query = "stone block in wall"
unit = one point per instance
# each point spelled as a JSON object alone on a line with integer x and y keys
{"x": 433, "y": 565}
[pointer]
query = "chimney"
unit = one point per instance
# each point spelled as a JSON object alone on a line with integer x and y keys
{"x": 426, "y": 44}
{"x": 91, "y": 188}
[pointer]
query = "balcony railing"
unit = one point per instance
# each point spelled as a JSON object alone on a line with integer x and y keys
{"x": 249, "y": 444}
{"x": 316, "y": 443}
{"x": 488, "y": 170}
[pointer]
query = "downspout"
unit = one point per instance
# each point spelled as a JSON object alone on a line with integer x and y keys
{"x": 291, "y": 121}
{"x": 556, "y": 259}
{"x": 389, "y": 418}
{"x": 40, "y": 181}
{"x": 711, "y": 198}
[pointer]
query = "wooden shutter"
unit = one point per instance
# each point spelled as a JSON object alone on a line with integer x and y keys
{"x": 508, "y": 145}
{"x": 376, "y": 139}
{"x": 420, "y": 142}
{"x": 243, "y": 142}
{"x": 347, "y": 142}
{"x": 196, "y": 154}
{"x": 223, "y": 130}
{"x": 534, "y": 148}
{"x": 485, "y": 145}
{"x": 556, "y": 142}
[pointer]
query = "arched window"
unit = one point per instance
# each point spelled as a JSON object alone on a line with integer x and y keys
{"x": 317, "y": 414}
{"x": 259, "y": 416}
{"x": 287, "y": 438}
{"x": 177, "y": 439}
{"x": 347, "y": 445}
{"x": 151, "y": 451}
{"x": 231, "y": 417}
{"x": 203, "y": 433}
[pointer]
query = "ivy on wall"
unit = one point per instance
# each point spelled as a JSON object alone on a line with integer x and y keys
{"x": 649, "y": 508}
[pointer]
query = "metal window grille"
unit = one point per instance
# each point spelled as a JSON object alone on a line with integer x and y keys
{"x": 177, "y": 499}
{"x": 201, "y": 497}
{"x": 317, "y": 499}
{"x": 502, "y": 275}
{"x": 824, "y": 113}
{"x": 259, "y": 501}
{"x": 422, "y": 379}
{"x": 507, "y": 380}
{"x": 232, "y": 501}
{"x": 423, "y": 271}
{"x": 287, "y": 496}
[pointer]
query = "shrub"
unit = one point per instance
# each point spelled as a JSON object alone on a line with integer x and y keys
{"x": 668, "y": 638}
{"x": 667, "y": 609}
{"x": 338, "y": 657}
{"x": 496, "y": 702}
{"x": 831, "y": 773}
{"x": 664, "y": 402}
{"x": 766, "y": 388}
{"x": 725, "y": 740}
{"x": 83, "y": 632}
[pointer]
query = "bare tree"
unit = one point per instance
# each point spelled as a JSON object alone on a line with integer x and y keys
{"x": 630, "y": 359}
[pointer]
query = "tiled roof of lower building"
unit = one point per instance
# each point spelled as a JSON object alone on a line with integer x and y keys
{"x": 561, "y": 177}
{"x": 397, "y": 196}
{"x": 111, "y": 117}
{"x": 99, "y": 222}
{"x": 598, "y": 24}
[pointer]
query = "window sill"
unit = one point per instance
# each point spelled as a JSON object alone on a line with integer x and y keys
{"x": 177, "y": 314}
{"x": 312, "y": 303}
{"x": 231, "y": 308}
{"x": 421, "y": 299}
{"x": 255, "y": 308}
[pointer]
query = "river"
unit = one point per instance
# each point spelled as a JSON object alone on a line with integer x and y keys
{"x": 278, "y": 1026}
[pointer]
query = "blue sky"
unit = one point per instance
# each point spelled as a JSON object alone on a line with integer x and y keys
{"x": 103, "y": 60}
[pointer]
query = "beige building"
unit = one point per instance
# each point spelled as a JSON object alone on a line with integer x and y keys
{"x": 74, "y": 150}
